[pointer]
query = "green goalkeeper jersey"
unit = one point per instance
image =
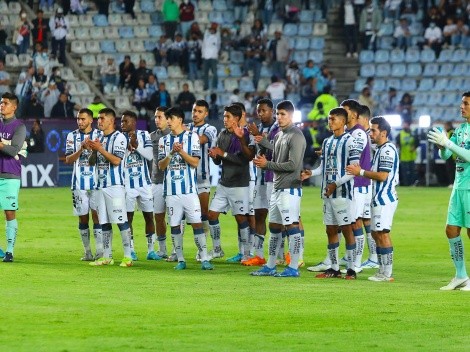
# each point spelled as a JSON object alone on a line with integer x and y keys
{"x": 461, "y": 138}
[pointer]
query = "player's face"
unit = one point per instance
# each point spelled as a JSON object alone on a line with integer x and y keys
{"x": 284, "y": 118}
{"x": 352, "y": 116}
{"x": 199, "y": 114}
{"x": 465, "y": 108}
{"x": 230, "y": 121}
{"x": 7, "y": 107}
{"x": 363, "y": 121}
{"x": 160, "y": 120}
{"x": 105, "y": 122}
{"x": 336, "y": 123}
{"x": 174, "y": 123}
{"x": 84, "y": 122}
{"x": 127, "y": 124}
{"x": 375, "y": 135}
{"x": 264, "y": 112}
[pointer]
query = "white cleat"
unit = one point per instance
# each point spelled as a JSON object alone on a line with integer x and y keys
{"x": 319, "y": 267}
{"x": 466, "y": 287}
{"x": 381, "y": 277}
{"x": 454, "y": 284}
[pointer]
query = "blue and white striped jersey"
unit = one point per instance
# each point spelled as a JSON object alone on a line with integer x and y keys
{"x": 264, "y": 176}
{"x": 337, "y": 153}
{"x": 203, "y": 169}
{"x": 109, "y": 174}
{"x": 180, "y": 177}
{"x": 136, "y": 167}
{"x": 385, "y": 160}
{"x": 83, "y": 175}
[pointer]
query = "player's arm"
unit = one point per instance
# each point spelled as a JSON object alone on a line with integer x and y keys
{"x": 193, "y": 158}
{"x": 145, "y": 149}
{"x": 355, "y": 170}
{"x": 16, "y": 143}
{"x": 352, "y": 159}
{"x": 70, "y": 155}
{"x": 163, "y": 158}
{"x": 295, "y": 156}
{"x": 440, "y": 138}
{"x": 445, "y": 153}
{"x": 193, "y": 161}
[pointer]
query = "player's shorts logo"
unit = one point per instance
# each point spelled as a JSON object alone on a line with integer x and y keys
{"x": 135, "y": 174}
{"x": 87, "y": 174}
{"x": 177, "y": 178}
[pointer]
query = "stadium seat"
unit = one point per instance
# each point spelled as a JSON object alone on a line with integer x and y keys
{"x": 273, "y": 27}
{"x": 116, "y": 7}
{"x": 316, "y": 56}
{"x": 302, "y": 43}
{"x": 290, "y": 29}
{"x": 102, "y": 57}
{"x": 426, "y": 84}
{"x": 397, "y": 55}
{"x": 237, "y": 57}
{"x": 155, "y": 31}
{"x": 222, "y": 71}
{"x": 14, "y": 7}
{"x": 78, "y": 47}
{"x": 235, "y": 70}
{"x": 459, "y": 55}
{"x": 413, "y": 70}
{"x": 141, "y": 32}
{"x": 266, "y": 71}
{"x": 320, "y": 29}
{"x": 379, "y": 85}
{"x": 89, "y": 60}
{"x": 367, "y": 70}
{"x": 393, "y": 82}
{"x": 216, "y": 16}
{"x": 305, "y": 29}
{"x": 115, "y": 19}
{"x": 416, "y": 28}
{"x": 246, "y": 85}
{"x": 143, "y": 19}
{"x": 4, "y": 20}
{"x": 160, "y": 72}
{"x": 457, "y": 84}
{"x": 122, "y": 46}
{"x": 382, "y": 56}
{"x": 421, "y": 98}
{"x": 149, "y": 45}
{"x": 228, "y": 17}
{"x": 107, "y": 46}
{"x": 175, "y": 72}
{"x": 100, "y": 21}
{"x": 24, "y": 60}
{"x": 172, "y": 86}
{"x": 111, "y": 32}
{"x": 127, "y": 20}
{"x": 137, "y": 46}
{"x": 126, "y": 32}
{"x": 445, "y": 69}
{"x": 460, "y": 70}
{"x": 441, "y": 84}
{"x": 149, "y": 58}
{"x": 398, "y": 70}
{"x": 4, "y": 8}
{"x": 412, "y": 55}
{"x": 437, "y": 113}
{"x": 230, "y": 84}
{"x": 445, "y": 55}
{"x": 434, "y": 98}
{"x": 97, "y": 33}
{"x": 386, "y": 29}
{"x": 85, "y": 20}
{"x": 292, "y": 41}
{"x": 317, "y": 43}
{"x": 301, "y": 57}
{"x": 201, "y": 17}
{"x": 386, "y": 43}
{"x": 366, "y": 56}
{"x": 205, "y": 6}
{"x": 306, "y": 16}
{"x": 359, "y": 84}
{"x": 408, "y": 84}
{"x": 218, "y": 5}
{"x": 157, "y": 18}
{"x": 67, "y": 74}
{"x": 382, "y": 70}
{"x": 427, "y": 55}
{"x": 449, "y": 99}
{"x": 122, "y": 102}
{"x": 449, "y": 114}
{"x": 92, "y": 46}
{"x": 147, "y": 6}
{"x": 430, "y": 69}
{"x": 82, "y": 33}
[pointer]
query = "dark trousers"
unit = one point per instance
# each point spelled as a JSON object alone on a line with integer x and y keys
{"x": 59, "y": 44}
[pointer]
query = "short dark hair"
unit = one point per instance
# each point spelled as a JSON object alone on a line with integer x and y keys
{"x": 241, "y": 105}
{"x": 86, "y": 111}
{"x": 266, "y": 101}
{"x": 108, "y": 111}
{"x": 339, "y": 112}
{"x": 352, "y": 104}
{"x": 234, "y": 109}
{"x": 129, "y": 113}
{"x": 10, "y": 96}
{"x": 161, "y": 108}
{"x": 364, "y": 111}
{"x": 382, "y": 124}
{"x": 466, "y": 94}
{"x": 286, "y": 105}
{"x": 174, "y": 111}
{"x": 202, "y": 102}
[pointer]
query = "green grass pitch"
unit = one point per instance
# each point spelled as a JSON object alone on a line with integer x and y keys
{"x": 51, "y": 301}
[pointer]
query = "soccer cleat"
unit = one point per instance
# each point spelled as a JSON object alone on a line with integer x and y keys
{"x": 454, "y": 284}
{"x": 287, "y": 261}
{"x": 87, "y": 258}
{"x": 343, "y": 262}
{"x": 264, "y": 271}
{"x": 235, "y": 259}
{"x": 134, "y": 256}
{"x": 215, "y": 254}
{"x": 198, "y": 256}
{"x": 180, "y": 266}
{"x": 102, "y": 261}
{"x": 288, "y": 272}
{"x": 2, "y": 253}
{"x": 380, "y": 277}
{"x": 126, "y": 262}
{"x": 162, "y": 255}
{"x": 329, "y": 274}
{"x": 370, "y": 264}
{"x": 319, "y": 267}
{"x": 172, "y": 258}
{"x": 206, "y": 265}
{"x": 255, "y": 261}
{"x": 153, "y": 256}
{"x": 357, "y": 270}
{"x": 350, "y": 275}
{"x": 466, "y": 287}
{"x": 8, "y": 258}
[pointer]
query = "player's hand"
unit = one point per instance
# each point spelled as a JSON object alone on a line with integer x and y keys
{"x": 260, "y": 161}
{"x": 215, "y": 152}
{"x": 258, "y": 139}
{"x": 329, "y": 189}
{"x": 95, "y": 145}
{"x": 253, "y": 129}
{"x": 238, "y": 131}
{"x": 133, "y": 144}
{"x": 177, "y": 147}
{"x": 353, "y": 169}
{"x": 438, "y": 137}
{"x": 318, "y": 152}
{"x": 305, "y": 174}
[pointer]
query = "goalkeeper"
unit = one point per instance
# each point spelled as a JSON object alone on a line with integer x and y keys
{"x": 459, "y": 203}
{"x": 13, "y": 135}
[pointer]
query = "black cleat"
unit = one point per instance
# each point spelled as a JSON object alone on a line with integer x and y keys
{"x": 350, "y": 275}
{"x": 8, "y": 257}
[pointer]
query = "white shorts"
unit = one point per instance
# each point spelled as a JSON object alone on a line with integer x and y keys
{"x": 142, "y": 196}
{"x": 252, "y": 196}
{"x": 361, "y": 204}
{"x": 262, "y": 195}
{"x": 159, "y": 204}
{"x": 183, "y": 204}
{"x": 338, "y": 211}
{"x": 203, "y": 186}
{"x": 111, "y": 205}
{"x": 83, "y": 201}
{"x": 382, "y": 217}
{"x": 235, "y": 199}
{"x": 284, "y": 207}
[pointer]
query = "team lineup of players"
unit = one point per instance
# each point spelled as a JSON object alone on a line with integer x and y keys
{"x": 261, "y": 177}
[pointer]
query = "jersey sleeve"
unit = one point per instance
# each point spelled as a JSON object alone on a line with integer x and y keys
{"x": 195, "y": 145}
{"x": 120, "y": 146}
{"x": 387, "y": 158}
{"x": 161, "y": 149}
{"x": 211, "y": 134}
{"x": 69, "y": 144}
{"x": 354, "y": 153}
{"x": 360, "y": 141}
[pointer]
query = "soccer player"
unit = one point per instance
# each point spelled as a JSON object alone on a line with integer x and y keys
{"x": 264, "y": 135}
{"x": 178, "y": 155}
{"x": 159, "y": 205}
{"x": 338, "y": 151}
{"x": 137, "y": 179}
{"x": 13, "y": 135}
{"x": 84, "y": 181}
{"x": 284, "y": 205}
{"x": 234, "y": 150}
{"x": 111, "y": 194}
{"x": 384, "y": 173}
{"x": 459, "y": 203}
{"x": 207, "y": 137}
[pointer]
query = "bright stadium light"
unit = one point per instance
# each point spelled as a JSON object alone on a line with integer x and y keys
{"x": 425, "y": 121}
{"x": 393, "y": 120}
{"x": 297, "y": 116}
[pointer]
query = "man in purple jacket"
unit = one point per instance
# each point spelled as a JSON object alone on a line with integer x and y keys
{"x": 13, "y": 135}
